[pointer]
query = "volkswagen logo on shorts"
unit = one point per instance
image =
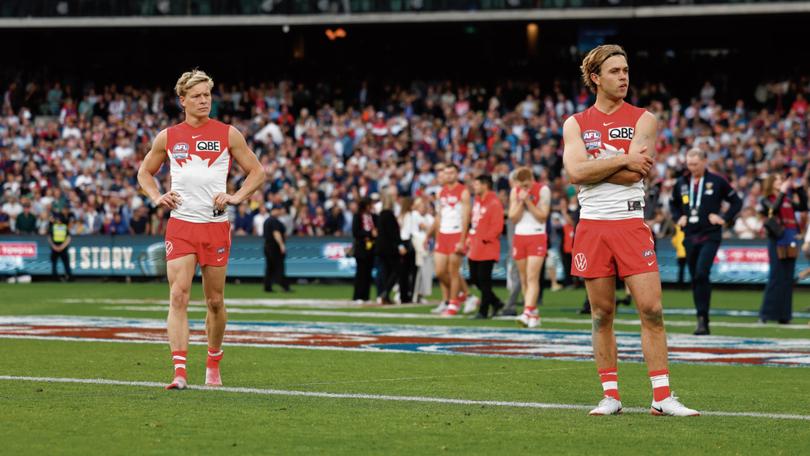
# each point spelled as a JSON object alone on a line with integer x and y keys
{"x": 580, "y": 262}
{"x": 169, "y": 247}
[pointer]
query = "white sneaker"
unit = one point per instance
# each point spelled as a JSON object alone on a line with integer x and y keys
{"x": 440, "y": 308}
{"x": 471, "y": 304}
{"x": 607, "y": 406}
{"x": 671, "y": 407}
{"x": 528, "y": 320}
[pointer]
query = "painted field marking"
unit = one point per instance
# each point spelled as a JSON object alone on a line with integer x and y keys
{"x": 424, "y": 316}
{"x": 389, "y": 398}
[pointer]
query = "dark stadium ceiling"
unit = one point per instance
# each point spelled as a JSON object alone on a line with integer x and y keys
{"x": 536, "y": 14}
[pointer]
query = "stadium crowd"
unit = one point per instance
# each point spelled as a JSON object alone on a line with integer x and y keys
{"x": 73, "y": 153}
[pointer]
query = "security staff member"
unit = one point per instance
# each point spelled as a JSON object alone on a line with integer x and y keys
{"x": 59, "y": 240}
{"x": 695, "y": 204}
{"x": 275, "y": 251}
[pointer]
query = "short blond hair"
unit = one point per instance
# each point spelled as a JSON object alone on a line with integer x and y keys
{"x": 593, "y": 61}
{"x": 191, "y": 78}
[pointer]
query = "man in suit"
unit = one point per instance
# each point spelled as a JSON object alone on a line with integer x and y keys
{"x": 695, "y": 205}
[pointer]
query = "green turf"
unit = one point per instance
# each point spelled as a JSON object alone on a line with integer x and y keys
{"x": 144, "y": 420}
{"x": 48, "y": 418}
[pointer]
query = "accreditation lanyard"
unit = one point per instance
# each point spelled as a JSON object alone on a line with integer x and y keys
{"x": 694, "y": 203}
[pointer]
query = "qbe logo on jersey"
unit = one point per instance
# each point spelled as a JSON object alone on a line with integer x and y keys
{"x": 621, "y": 133}
{"x": 207, "y": 146}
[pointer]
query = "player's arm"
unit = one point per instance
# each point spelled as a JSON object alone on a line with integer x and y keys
{"x": 146, "y": 174}
{"x": 246, "y": 160}
{"x": 466, "y": 211}
{"x": 515, "y": 206}
{"x": 542, "y": 209}
{"x": 581, "y": 170}
{"x": 280, "y": 240}
{"x": 643, "y": 142}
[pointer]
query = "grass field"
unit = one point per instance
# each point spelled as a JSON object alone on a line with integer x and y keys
{"x": 352, "y": 399}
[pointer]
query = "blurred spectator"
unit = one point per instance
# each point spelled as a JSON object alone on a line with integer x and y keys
{"x": 26, "y": 222}
{"x": 364, "y": 233}
{"x": 243, "y": 223}
{"x": 748, "y": 225}
{"x": 407, "y": 266}
{"x": 421, "y": 223}
{"x": 139, "y": 224}
{"x": 5, "y": 223}
{"x": 783, "y": 199}
{"x": 388, "y": 247}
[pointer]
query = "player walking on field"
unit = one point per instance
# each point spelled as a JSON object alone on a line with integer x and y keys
{"x": 608, "y": 150}
{"x": 200, "y": 151}
{"x": 529, "y": 206}
{"x": 451, "y": 225}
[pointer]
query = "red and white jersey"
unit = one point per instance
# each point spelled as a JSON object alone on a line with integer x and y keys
{"x": 607, "y": 136}
{"x": 450, "y": 208}
{"x": 528, "y": 224}
{"x": 200, "y": 161}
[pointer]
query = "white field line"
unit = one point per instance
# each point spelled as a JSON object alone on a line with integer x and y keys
{"x": 382, "y": 397}
{"x": 424, "y": 316}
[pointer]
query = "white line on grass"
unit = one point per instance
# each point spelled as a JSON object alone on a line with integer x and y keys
{"x": 381, "y": 397}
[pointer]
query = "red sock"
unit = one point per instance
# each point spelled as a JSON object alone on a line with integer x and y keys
{"x": 660, "y": 384}
{"x": 179, "y": 360}
{"x": 610, "y": 382}
{"x": 530, "y": 311}
{"x": 462, "y": 296}
{"x": 214, "y": 357}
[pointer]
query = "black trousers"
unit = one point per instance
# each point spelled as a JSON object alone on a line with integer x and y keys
{"x": 777, "y": 302}
{"x": 274, "y": 269}
{"x": 681, "y": 270}
{"x": 407, "y": 274}
{"x": 389, "y": 267}
{"x": 700, "y": 258}
{"x": 481, "y": 276}
{"x": 63, "y": 255}
{"x": 566, "y": 261}
{"x": 362, "y": 278}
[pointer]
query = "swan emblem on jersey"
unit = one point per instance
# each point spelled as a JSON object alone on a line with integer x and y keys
{"x": 606, "y": 151}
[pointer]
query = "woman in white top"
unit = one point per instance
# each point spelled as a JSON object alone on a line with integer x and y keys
{"x": 421, "y": 221}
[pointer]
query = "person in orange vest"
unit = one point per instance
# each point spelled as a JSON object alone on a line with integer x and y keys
{"x": 485, "y": 243}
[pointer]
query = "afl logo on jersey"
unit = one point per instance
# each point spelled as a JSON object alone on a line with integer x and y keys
{"x": 592, "y": 139}
{"x": 207, "y": 146}
{"x": 180, "y": 151}
{"x": 621, "y": 133}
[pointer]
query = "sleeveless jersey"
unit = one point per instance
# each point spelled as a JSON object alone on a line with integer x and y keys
{"x": 450, "y": 207}
{"x": 200, "y": 161}
{"x": 529, "y": 225}
{"x": 608, "y": 136}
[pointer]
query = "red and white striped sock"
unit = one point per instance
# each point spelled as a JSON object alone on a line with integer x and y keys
{"x": 610, "y": 382}
{"x": 179, "y": 360}
{"x": 214, "y": 357}
{"x": 660, "y": 384}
